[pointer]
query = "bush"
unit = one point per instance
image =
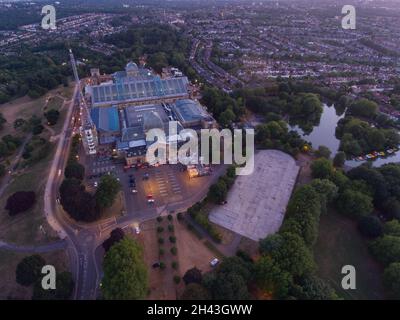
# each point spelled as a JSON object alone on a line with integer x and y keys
{"x": 161, "y": 252}
{"x": 160, "y": 229}
{"x": 174, "y": 265}
{"x": 370, "y": 227}
{"x": 162, "y": 265}
{"x": 172, "y": 239}
{"x": 160, "y": 240}
{"x": 180, "y": 216}
{"x": 177, "y": 279}
{"x": 20, "y": 201}
{"x": 169, "y": 217}
{"x": 170, "y": 228}
{"x": 29, "y": 270}
{"x": 174, "y": 251}
{"x": 159, "y": 219}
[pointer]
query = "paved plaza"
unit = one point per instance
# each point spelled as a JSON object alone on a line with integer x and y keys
{"x": 256, "y": 204}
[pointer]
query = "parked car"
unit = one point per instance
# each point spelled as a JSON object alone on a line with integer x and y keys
{"x": 214, "y": 262}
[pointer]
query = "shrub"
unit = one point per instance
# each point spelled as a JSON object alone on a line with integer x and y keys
{"x": 160, "y": 229}
{"x": 160, "y": 240}
{"x": 179, "y": 216}
{"x": 370, "y": 226}
{"x": 174, "y": 265}
{"x": 177, "y": 279}
{"x": 162, "y": 265}
{"x": 159, "y": 219}
{"x": 170, "y": 228}
{"x": 174, "y": 251}
{"x": 29, "y": 270}
{"x": 169, "y": 217}
{"x": 161, "y": 252}
{"x": 172, "y": 239}
{"x": 20, "y": 201}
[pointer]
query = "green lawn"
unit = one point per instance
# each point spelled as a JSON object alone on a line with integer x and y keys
{"x": 340, "y": 244}
{"x": 24, "y": 228}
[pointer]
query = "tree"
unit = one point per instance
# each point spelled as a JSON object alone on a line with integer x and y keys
{"x": 125, "y": 273}
{"x": 192, "y": 276}
{"x": 302, "y": 214}
{"x": 327, "y": 190}
{"x": 322, "y": 168}
{"x": 79, "y": 204}
{"x": 195, "y": 291}
{"x": 323, "y": 152}
{"x": 20, "y": 201}
{"x": 391, "y": 279}
{"x": 226, "y": 117}
{"x": 2, "y": 170}
{"x": 271, "y": 278}
{"x": 2, "y": 121}
{"x": 29, "y": 270}
{"x": 218, "y": 192}
{"x": 52, "y": 116}
{"x": 116, "y": 235}
{"x": 339, "y": 159}
{"x": 364, "y": 108}
{"x": 311, "y": 287}
{"x": 290, "y": 253}
{"x": 74, "y": 170}
{"x": 392, "y": 228}
{"x": 107, "y": 191}
{"x": 354, "y": 203}
{"x": 229, "y": 281}
{"x": 386, "y": 249}
{"x": 63, "y": 291}
{"x": 370, "y": 226}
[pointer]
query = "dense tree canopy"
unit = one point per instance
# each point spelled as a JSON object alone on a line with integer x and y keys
{"x": 74, "y": 170}
{"x": 80, "y": 204}
{"x": 125, "y": 273}
{"x": 107, "y": 191}
{"x": 116, "y": 235}
{"x": 29, "y": 270}
{"x": 20, "y": 201}
{"x": 229, "y": 281}
{"x": 354, "y": 203}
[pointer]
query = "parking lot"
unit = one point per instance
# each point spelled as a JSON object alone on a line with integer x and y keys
{"x": 256, "y": 204}
{"x": 147, "y": 190}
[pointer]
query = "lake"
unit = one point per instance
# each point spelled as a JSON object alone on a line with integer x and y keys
{"x": 324, "y": 135}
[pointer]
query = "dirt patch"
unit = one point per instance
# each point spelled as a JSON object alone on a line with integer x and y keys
{"x": 9, "y": 288}
{"x": 304, "y": 160}
{"x": 192, "y": 251}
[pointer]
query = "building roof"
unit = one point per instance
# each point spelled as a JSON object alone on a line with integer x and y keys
{"x": 106, "y": 118}
{"x": 138, "y": 89}
{"x": 188, "y": 110}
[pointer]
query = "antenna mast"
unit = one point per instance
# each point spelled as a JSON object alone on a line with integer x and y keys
{"x": 88, "y": 129}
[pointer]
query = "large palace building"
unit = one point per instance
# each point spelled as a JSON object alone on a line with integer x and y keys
{"x": 127, "y": 104}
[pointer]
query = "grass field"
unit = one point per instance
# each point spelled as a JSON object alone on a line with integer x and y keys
{"x": 9, "y": 289}
{"x": 31, "y": 227}
{"x": 24, "y": 228}
{"x": 340, "y": 244}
